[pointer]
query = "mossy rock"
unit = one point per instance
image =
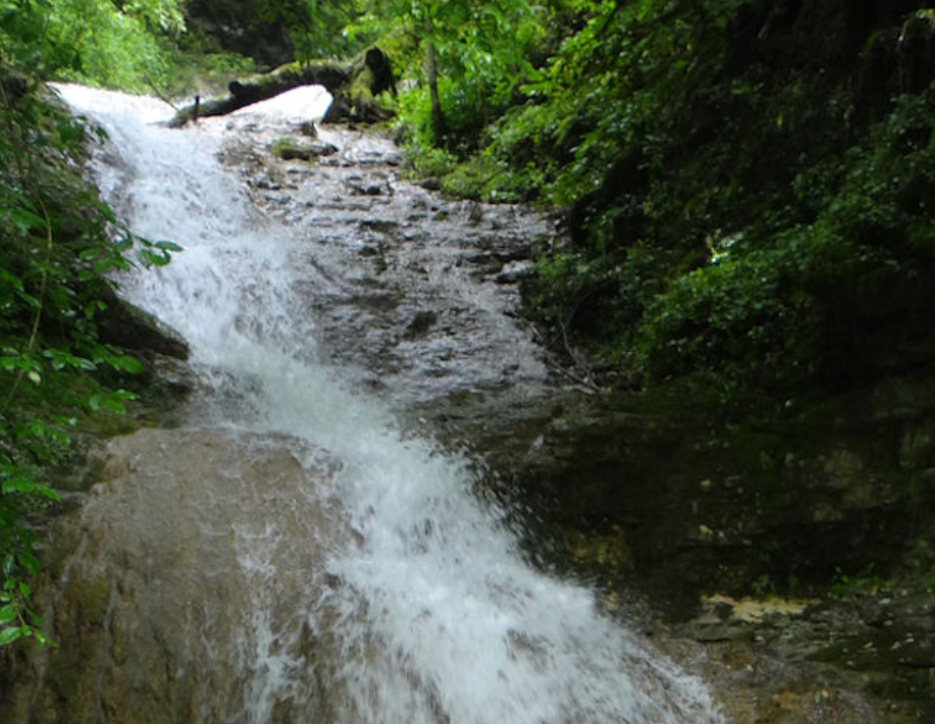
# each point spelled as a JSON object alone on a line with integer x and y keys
{"x": 127, "y": 326}
{"x": 290, "y": 150}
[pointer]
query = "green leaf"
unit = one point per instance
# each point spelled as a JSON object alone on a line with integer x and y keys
{"x": 62, "y": 359}
{"x": 25, "y": 220}
{"x": 105, "y": 210}
{"x": 25, "y": 486}
{"x": 149, "y": 258}
{"x": 11, "y": 279}
{"x": 11, "y": 634}
{"x": 127, "y": 363}
{"x": 28, "y": 561}
{"x": 8, "y": 613}
{"x": 114, "y": 405}
{"x": 44, "y": 640}
{"x": 93, "y": 307}
{"x": 167, "y": 246}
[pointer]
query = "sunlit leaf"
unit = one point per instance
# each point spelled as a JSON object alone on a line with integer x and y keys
{"x": 8, "y": 613}
{"x": 167, "y": 246}
{"x": 10, "y": 634}
{"x": 127, "y": 363}
{"x": 28, "y": 487}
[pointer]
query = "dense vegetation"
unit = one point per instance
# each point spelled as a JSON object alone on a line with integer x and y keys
{"x": 749, "y": 183}
{"x": 58, "y": 243}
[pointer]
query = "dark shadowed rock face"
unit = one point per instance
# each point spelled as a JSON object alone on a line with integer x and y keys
{"x": 239, "y": 26}
{"x": 127, "y": 326}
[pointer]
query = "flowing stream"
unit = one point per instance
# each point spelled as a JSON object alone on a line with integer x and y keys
{"x": 417, "y": 605}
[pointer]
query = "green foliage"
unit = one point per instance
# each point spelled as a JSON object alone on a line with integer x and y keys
{"x": 91, "y": 41}
{"x": 316, "y": 27}
{"x": 763, "y": 586}
{"x": 201, "y": 68}
{"x": 844, "y": 586}
{"x": 427, "y": 162}
{"x": 733, "y": 213}
{"x": 482, "y": 53}
{"x": 487, "y": 178}
{"x": 839, "y": 299}
{"x": 58, "y": 243}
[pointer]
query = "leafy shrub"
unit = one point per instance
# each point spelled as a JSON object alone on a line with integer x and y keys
{"x": 58, "y": 242}
{"x": 91, "y": 41}
{"x": 836, "y": 301}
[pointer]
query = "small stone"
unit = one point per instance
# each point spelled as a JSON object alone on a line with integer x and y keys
{"x": 420, "y": 324}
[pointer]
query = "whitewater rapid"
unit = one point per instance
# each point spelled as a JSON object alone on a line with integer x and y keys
{"x": 439, "y": 617}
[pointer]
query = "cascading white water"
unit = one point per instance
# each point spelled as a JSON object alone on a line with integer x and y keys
{"x": 439, "y": 619}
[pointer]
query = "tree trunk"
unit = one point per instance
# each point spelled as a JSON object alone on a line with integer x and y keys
{"x": 353, "y": 84}
{"x": 438, "y": 118}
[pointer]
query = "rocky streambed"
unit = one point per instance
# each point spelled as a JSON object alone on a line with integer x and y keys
{"x": 418, "y": 291}
{"x": 673, "y": 522}
{"x": 636, "y": 491}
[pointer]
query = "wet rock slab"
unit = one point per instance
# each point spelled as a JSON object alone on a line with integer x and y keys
{"x": 810, "y": 657}
{"x": 168, "y": 567}
{"x": 419, "y": 292}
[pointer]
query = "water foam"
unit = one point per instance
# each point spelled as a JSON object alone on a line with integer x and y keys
{"x": 439, "y": 617}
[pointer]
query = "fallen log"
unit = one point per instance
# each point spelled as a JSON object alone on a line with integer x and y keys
{"x": 353, "y": 84}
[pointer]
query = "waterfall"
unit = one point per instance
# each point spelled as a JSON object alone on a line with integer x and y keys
{"x": 431, "y": 613}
